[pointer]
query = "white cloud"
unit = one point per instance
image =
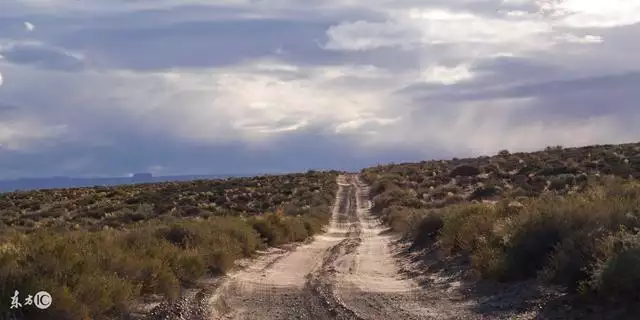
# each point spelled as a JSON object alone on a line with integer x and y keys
{"x": 25, "y": 134}
{"x": 371, "y": 125}
{"x": 249, "y": 103}
{"x": 424, "y": 27}
{"x": 593, "y": 13}
{"x": 363, "y": 35}
{"x": 587, "y": 39}
{"x": 29, "y": 26}
{"x": 517, "y": 13}
{"x": 446, "y": 75}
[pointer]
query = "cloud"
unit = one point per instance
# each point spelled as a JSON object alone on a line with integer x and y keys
{"x": 29, "y": 26}
{"x": 428, "y": 26}
{"x": 111, "y": 87}
{"x": 25, "y": 134}
{"x": 249, "y": 103}
{"x": 363, "y": 35}
{"x": 41, "y": 55}
{"x": 192, "y": 43}
{"x": 446, "y": 75}
{"x": 592, "y": 13}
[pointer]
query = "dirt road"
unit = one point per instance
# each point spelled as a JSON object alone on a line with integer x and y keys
{"x": 352, "y": 271}
{"x": 348, "y": 272}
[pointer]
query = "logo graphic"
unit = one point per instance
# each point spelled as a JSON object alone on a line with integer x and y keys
{"x": 42, "y": 300}
{"x": 15, "y": 303}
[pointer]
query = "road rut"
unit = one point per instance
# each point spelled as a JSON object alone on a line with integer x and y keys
{"x": 352, "y": 271}
{"x": 348, "y": 272}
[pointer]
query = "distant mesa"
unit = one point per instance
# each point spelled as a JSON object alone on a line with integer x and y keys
{"x": 71, "y": 182}
{"x": 139, "y": 177}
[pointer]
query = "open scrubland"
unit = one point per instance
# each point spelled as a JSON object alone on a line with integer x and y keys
{"x": 552, "y": 234}
{"x": 562, "y": 218}
{"x": 99, "y": 250}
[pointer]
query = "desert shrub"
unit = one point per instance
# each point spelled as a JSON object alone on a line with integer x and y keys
{"x": 276, "y": 229}
{"x": 557, "y": 237}
{"x": 383, "y": 185}
{"x": 466, "y": 227}
{"x": 465, "y": 171}
{"x": 568, "y": 261}
{"x": 557, "y": 170}
{"x": 294, "y": 229}
{"x": 488, "y": 262}
{"x": 530, "y": 247}
{"x": 178, "y": 235}
{"x": 485, "y": 193}
{"x": 541, "y": 228}
{"x": 55, "y": 212}
{"x": 616, "y": 274}
{"x": 97, "y": 274}
{"x": 428, "y": 227}
{"x": 312, "y": 226}
{"x": 561, "y": 181}
{"x": 400, "y": 219}
{"x": 558, "y": 234}
{"x": 267, "y": 231}
{"x": 504, "y": 153}
{"x": 219, "y": 261}
{"x": 388, "y": 198}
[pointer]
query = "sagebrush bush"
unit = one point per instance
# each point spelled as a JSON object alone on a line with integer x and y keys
{"x": 401, "y": 220}
{"x": 467, "y": 227}
{"x": 95, "y": 275}
{"x": 616, "y": 274}
{"x": 567, "y": 263}
{"x": 570, "y": 240}
{"x": 428, "y": 227}
{"x": 556, "y": 212}
{"x": 276, "y": 228}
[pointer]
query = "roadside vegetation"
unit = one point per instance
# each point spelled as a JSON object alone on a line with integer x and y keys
{"x": 96, "y": 250}
{"x": 563, "y": 216}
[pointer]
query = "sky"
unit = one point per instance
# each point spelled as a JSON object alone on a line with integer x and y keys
{"x": 111, "y": 87}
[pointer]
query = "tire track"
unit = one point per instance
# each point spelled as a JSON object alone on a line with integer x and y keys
{"x": 370, "y": 282}
{"x": 300, "y": 284}
{"x": 347, "y": 273}
{"x": 322, "y": 282}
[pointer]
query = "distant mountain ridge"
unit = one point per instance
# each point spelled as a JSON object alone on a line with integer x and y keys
{"x": 26, "y": 184}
